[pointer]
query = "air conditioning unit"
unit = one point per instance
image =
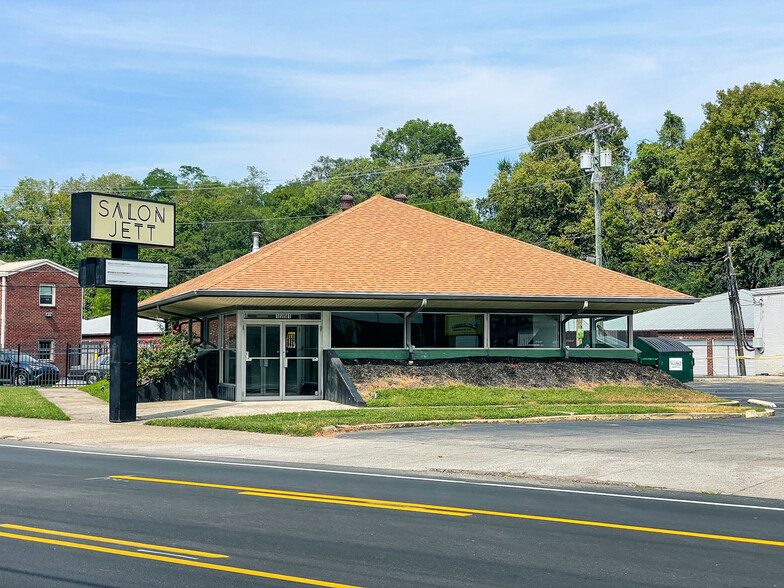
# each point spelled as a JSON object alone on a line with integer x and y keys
{"x": 49, "y": 315}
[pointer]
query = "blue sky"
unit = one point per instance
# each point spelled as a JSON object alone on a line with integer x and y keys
{"x": 97, "y": 87}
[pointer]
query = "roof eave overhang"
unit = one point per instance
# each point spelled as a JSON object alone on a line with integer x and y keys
{"x": 640, "y": 301}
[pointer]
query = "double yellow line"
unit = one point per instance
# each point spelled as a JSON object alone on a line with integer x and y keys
{"x": 151, "y": 556}
{"x": 442, "y": 510}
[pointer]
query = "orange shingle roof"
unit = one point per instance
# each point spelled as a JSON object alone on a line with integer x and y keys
{"x": 384, "y": 247}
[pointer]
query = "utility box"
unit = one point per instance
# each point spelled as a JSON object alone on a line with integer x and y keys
{"x": 668, "y": 355}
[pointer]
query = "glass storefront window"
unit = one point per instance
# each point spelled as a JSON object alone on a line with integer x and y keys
{"x": 612, "y": 331}
{"x": 229, "y": 349}
{"x": 369, "y": 330}
{"x": 598, "y": 332}
{"x": 213, "y": 332}
{"x": 578, "y": 333}
{"x": 447, "y": 330}
{"x": 519, "y": 330}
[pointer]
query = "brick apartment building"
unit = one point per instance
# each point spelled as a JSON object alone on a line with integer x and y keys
{"x": 40, "y": 309}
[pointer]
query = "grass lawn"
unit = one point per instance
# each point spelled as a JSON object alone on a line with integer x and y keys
{"x": 476, "y": 396}
{"x": 100, "y": 389}
{"x": 453, "y": 403}
{"x": 28, "y": 403}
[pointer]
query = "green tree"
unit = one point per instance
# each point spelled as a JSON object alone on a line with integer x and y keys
{"x": 731, "y": 189}
{"x": 655, "y": 164}
{"x": 544, "y": 197}
{"x": 417, "y": 139}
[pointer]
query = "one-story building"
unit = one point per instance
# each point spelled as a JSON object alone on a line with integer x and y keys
{"x": 387, "y": 280}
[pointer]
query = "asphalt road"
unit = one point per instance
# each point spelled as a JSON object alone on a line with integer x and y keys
{"x": 742, "y": 391}
{"x": 85, "y": 519}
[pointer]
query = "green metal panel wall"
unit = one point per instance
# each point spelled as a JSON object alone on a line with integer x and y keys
{"x": 500, "y": 352}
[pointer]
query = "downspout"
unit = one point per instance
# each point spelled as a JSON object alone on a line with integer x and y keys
{"x": 407, "y": 327}
{"x": 2, "y": 317}
{"x": 564, "y": 348}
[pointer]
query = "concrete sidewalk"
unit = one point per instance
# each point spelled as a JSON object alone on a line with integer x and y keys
{"x": 735, "y": 456}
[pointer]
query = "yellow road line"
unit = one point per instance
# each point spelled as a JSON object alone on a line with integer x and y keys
{"x": 284, "y": 493}
{"x": 451, "y": 509}
{"x": 114, "y": 541}
{"x": 174, "y": 560}
{"x": 357, "y": 503}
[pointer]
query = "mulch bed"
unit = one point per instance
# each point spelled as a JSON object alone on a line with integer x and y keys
{"x": 506, "y": 373}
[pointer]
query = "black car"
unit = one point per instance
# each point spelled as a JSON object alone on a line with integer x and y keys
{"x": 91, "y": 371}
{"x": 21, "y": 369}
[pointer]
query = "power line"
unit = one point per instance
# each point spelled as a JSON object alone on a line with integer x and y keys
{"x": 590, "y": 130}
{"x": 380, "y": 172}
{"x": 211, "y": 222}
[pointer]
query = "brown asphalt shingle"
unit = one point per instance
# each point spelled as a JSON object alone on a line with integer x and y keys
{"x": 383, "y": 246}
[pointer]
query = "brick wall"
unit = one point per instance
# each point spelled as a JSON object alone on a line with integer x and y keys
{"x": 26, "y": 320}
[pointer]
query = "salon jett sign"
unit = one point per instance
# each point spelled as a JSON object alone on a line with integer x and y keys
{"x": 107, "y": 218}
{"x": 126, "y": 224}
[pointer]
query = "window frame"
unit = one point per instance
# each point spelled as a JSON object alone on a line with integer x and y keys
{"x": 485, "y": 318}
{"x": 557, "y": 316}
{"x": 54, "y": 295}
{"x": 51, "y": 350}
{"x": 328, "y": 326}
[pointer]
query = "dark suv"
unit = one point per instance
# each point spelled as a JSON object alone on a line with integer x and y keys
{"x": 21, "y": 369}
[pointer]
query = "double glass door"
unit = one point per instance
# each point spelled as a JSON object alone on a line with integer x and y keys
{"x": 281, "y": 360}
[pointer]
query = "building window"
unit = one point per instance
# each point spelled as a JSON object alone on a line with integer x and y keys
{"x": 45, "y": 349}
{"x": 213, "y": 332}
{"x": 229, "y": 349}
{"x": 606, "y": 332}
{"x": 368, "y": 330}
{"x": 46, "y": 295}
{"x": 519, "y": 330}
{"x": 612, "y": 332}
{"x": 447, "y": 330}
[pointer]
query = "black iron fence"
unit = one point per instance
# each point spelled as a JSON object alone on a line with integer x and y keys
{"x": 55, "y": 365}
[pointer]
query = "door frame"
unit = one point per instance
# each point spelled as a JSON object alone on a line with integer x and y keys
{"x": 242, "y": 324}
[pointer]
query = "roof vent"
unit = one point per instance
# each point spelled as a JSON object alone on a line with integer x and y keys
{"x": 256, "y": 236}
{"x": 346, "y": 201}
{"x": 401, "y": 198}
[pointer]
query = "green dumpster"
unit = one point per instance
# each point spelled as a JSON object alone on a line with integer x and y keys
{"x": 669, "y": 355}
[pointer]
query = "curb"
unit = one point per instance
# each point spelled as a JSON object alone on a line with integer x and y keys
{"x": 675, "y": 416}
{"x": 761, "y": 403}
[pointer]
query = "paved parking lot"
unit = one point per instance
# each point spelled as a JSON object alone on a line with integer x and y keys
{"x": 759, "y": 387}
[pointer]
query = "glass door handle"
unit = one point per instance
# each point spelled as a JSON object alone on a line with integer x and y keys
{"x": 285, "y": 363}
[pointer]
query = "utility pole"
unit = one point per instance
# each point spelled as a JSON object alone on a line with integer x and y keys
{"x": 737, "y": 319}
{"x": 596, "y": 184}
{"x": 593, "y": 162}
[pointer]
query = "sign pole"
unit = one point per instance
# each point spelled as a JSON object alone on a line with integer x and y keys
{"x": 123, "y": 344}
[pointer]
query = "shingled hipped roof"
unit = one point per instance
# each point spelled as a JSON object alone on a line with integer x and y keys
{"x": 381, "y": 247}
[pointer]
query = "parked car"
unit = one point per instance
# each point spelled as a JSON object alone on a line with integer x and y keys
{"x": 21, "y": 369}
{"x": 92, "y": 371}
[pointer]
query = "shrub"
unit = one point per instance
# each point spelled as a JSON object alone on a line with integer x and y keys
{"x": 169, "y": 352}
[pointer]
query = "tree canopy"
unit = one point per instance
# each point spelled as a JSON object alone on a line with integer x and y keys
{"x": 667, "y": 212}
